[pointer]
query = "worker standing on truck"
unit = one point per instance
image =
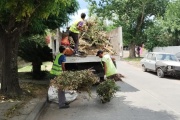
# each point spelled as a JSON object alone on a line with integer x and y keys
{"x": 109, "y": 67}
{"x": 57, "y": 69}
{"x": 74, "y": 31}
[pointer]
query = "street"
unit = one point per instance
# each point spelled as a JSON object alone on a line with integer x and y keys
{"x": 143, "y": 96}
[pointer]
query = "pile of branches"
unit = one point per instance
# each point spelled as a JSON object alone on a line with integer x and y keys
{"x": 94, "y": 38}
{"x": 83, "y": 81}
{"x": 106, "y": 90}
{"x": 76, "y": 80}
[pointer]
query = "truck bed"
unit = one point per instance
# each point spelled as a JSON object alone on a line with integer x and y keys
{"x": 86, "y": 59}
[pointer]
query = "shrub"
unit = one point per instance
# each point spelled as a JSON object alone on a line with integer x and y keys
{"x": 106, "y": 90}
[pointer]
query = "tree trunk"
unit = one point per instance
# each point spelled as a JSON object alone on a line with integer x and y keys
{"x": 8, "y": 64}
{"x": 36, "y": 70}
{"x": 132, "y": 53}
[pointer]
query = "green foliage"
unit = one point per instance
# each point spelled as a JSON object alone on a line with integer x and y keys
{"x": 34, "y": 49}
{"x": 106, "y": 90}
{"x": 165, "y": 31}
{"x": 39, "y": 25}
{"x": 135, "y": 16}
{"x": 172, "y": 22}
{"x": 37, "y": 15}
{"x": 76, "y": 80}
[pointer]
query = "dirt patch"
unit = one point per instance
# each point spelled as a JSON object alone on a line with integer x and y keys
{"x": 30, "y": 91}
{"x": 135, "y": 61}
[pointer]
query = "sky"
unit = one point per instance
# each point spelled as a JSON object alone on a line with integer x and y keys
{"x": 83, "y": 9}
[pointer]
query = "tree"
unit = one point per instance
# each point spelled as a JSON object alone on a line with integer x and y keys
{"x": 34, "y": 49}
{"x": 16, "y": 18}
{"x": 133, "y": 15}
{"x": 172, "y": 22}
{"x": 165, "y": 30}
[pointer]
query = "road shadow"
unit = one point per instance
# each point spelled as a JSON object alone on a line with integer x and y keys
{"x": 125, "y": 87}
{"x": 167, "y": 77}
{"x": 124, "y": 110}
{"x": 119, "y": 108}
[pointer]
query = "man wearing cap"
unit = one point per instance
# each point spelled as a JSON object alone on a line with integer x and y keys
{"x": 74, "y": 31}
{"x": 109, "y": 67}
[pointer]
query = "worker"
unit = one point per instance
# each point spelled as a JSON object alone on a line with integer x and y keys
{"x": 110, "y": 70}
{"x": 57, "y": 69}
{"x": 74, "y": 31}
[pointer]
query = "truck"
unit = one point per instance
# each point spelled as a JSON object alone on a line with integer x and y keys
{"x": 91, "y": 61}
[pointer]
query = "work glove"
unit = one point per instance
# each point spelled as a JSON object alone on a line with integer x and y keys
{"x": 105, "y": 78}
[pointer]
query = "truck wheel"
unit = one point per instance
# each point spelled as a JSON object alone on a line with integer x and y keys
{"x": 160, "y": 73}
{"x": 144, "y": 68}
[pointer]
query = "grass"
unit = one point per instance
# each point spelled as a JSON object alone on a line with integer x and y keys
{"x": 26, "y": 71}
{"x": 133, "y": 59}
{"x": 28, "y": 68}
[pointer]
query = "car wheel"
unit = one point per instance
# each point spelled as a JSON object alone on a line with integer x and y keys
{"x": 160, "y": 73}
{"x": 144, "y": 68}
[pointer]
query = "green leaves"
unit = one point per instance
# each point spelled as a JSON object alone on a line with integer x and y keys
{"x": 34, "y": 49}
{"x": 21, "y": 13}
{"x": 133, "y": 15}
{"x": 165, "y": 30}
{"x": 77, "y": 80}
{"x": 106, "y": 90}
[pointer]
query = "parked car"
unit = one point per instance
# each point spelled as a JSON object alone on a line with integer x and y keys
{"x": 178, "y": 56}
{"x": 162, "y": 63}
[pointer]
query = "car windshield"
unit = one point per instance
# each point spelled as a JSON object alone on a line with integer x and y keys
{"x": 166, "y": 57}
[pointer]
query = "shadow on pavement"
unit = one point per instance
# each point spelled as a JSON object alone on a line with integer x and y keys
{"x": 125, "y": 87}
{"x": 167, "y": 77}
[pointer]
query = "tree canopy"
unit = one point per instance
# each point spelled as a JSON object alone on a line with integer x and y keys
{"x": 165, "y": 30}
{"x": 26, "y": 16}
{"x": 35, "y": 14}
{"x": 133, "y": 16}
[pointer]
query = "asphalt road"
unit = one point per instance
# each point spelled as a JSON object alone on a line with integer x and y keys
{"x": 143, "y": 96}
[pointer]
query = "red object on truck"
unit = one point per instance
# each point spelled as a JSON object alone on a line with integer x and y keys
{"x": 65, "y": 41}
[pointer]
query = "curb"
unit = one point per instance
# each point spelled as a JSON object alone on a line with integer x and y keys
{"x": 34, "y": 115}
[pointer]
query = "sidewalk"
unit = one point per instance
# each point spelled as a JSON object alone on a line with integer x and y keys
{"x": 30, "y": 110}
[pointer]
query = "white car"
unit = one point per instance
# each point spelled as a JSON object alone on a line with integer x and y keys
{"x": 162, "y": 63}
{"x": 178, "y": 56}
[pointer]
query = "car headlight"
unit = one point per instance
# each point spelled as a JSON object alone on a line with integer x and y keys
{"x": 169, "y": 67}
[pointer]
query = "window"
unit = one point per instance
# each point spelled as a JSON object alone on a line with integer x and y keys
{"x": 149, "y": 56}
{"x": 166, "y": 57}
{"x": 153, "y": 57}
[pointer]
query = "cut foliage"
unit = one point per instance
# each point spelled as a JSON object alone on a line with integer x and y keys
{"x": 106, "y": 90}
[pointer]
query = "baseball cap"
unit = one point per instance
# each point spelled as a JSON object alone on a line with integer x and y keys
{"x": 99, "y": 52}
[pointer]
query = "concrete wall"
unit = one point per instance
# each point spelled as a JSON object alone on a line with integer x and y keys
{"x": 169, "y": 49}
{"x": 55, "y": 39}
{"x": 115, "y": 37}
